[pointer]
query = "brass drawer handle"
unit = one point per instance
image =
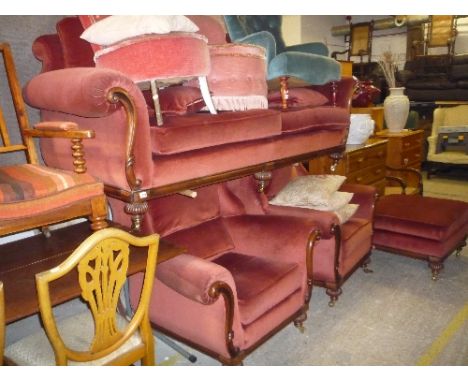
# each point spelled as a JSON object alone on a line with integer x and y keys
{"x": 360, "y": 160}
{"x": 378, "y": 171}
{"x": 405, "y": 161}
{"x": 358, "y": 179}
{"x": 406, "y": 144}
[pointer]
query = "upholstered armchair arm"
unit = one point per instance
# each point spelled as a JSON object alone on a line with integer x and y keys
{"x": 309, "y": 47}
{"x": 194, "y": 278}
{"x": 314, "y": 69}
{"x": 48, "y": 50}
{"x": 264, "y": 39}
{"x": 110, "y": 104}
{"x": 364, "y": 196}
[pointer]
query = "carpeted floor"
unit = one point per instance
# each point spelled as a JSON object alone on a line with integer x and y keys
{"x": 446, "y": 187}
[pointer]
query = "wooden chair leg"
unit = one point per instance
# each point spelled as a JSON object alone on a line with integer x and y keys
{"x": 436, "y": 266}
{"x": 99, "y": 213}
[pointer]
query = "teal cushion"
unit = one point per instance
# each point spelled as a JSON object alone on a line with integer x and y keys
{"x": 298, "y": 64}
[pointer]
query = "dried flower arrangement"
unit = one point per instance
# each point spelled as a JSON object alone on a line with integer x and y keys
{"x": 388, "y": 66}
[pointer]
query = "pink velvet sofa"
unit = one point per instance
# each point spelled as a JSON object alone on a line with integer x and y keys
{"x": 139, "y": 161}
{"x": 244, "y": 276}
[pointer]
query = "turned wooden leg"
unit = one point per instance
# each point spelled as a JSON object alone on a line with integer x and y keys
{"x": 333, "y": 294}
{"x": 137, "y": 211}
{"x": 99, "y": 213}
{"x": 263, "y": 180}
{"x": 436, "y": 267}
{"x": 284, "y": 91}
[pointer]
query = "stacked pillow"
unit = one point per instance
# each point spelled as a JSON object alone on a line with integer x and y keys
{"x": 318, "y": 192}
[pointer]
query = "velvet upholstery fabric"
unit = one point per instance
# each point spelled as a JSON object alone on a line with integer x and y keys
{"x": 420, "y": 216}
{"x": 356, "y": 234}
{"x": 168, "y": 58}
{"x": 186, "y": 133}
{"x": 249, "y": 253}
{"x": 48, "y": 50}
{"x": 308, "y": 62}
{"x": 76, "y": 51}
{"x": 256, "y": 278}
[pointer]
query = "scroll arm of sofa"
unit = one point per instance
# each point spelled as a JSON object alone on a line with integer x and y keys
{"x": 83, "y": 92}
{"x": 197, "y": 279}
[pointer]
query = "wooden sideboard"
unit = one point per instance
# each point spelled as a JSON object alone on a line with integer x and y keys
{"x": 405, "y": 149}
{"x": 361, "y": 164}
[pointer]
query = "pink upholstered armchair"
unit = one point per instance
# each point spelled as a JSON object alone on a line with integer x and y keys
{"x": 342, "y": 247}
{"x": 243, "y": 278}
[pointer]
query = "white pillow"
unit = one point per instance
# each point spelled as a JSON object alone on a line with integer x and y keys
{"x": 346, "y": 212}
{"x": 309, "y": 191}
{"x": 113, "y": 29}
{"x": 334, "y": 202}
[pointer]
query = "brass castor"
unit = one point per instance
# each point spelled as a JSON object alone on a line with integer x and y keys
{"x": 299, "y": 322}
{"x": 333, "y": 294}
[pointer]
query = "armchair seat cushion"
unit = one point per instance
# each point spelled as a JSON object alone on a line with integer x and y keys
{"x": 184, "y": 133}
{"x": 261, "y": 283}
{"x": 423, "y": 217}
{"x": 29, "y": 189}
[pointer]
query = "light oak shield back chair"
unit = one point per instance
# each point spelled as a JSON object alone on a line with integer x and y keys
{"x": 100, "y": 266}
{"x": 33, "y": 195}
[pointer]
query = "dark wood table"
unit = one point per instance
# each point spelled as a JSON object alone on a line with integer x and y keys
{"x": 21, "y": 260}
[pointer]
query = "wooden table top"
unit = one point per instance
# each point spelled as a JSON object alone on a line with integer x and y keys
{"x": 21, "y": 260}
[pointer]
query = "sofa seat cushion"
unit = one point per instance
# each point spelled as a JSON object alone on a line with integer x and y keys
{"x": 202, "y": 130}
{"x": 424, "y": 217}
{"x": 261, "y": 283}
{"x": 29, "y": 189}
{"x": 309, "y": 118}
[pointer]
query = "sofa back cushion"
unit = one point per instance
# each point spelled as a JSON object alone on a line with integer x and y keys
{"x": 174, "y": 213}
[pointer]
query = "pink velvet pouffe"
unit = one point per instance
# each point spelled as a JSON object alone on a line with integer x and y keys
{"x": 425, "y": 228}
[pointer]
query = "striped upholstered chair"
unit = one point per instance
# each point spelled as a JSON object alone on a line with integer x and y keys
{"x": 35, "y": 196}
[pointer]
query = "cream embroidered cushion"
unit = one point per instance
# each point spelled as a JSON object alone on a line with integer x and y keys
{"x": 346, "y": 212}
{"x": 113, "y": 29}
{"x": 312, "y": 191}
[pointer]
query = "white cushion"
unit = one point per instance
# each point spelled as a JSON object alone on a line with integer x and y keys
{"x": 113, "y": 29}
{"x": 346, "y": 212}
{"x": 312, "y": 191}
{"x": 77, "y": 333}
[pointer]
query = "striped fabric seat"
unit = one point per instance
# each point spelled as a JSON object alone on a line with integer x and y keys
{"x": 28, "y": 189}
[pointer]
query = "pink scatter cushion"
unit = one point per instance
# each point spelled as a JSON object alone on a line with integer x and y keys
{"x": 180, "y": 100}
{"x": 298, "y": 97}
